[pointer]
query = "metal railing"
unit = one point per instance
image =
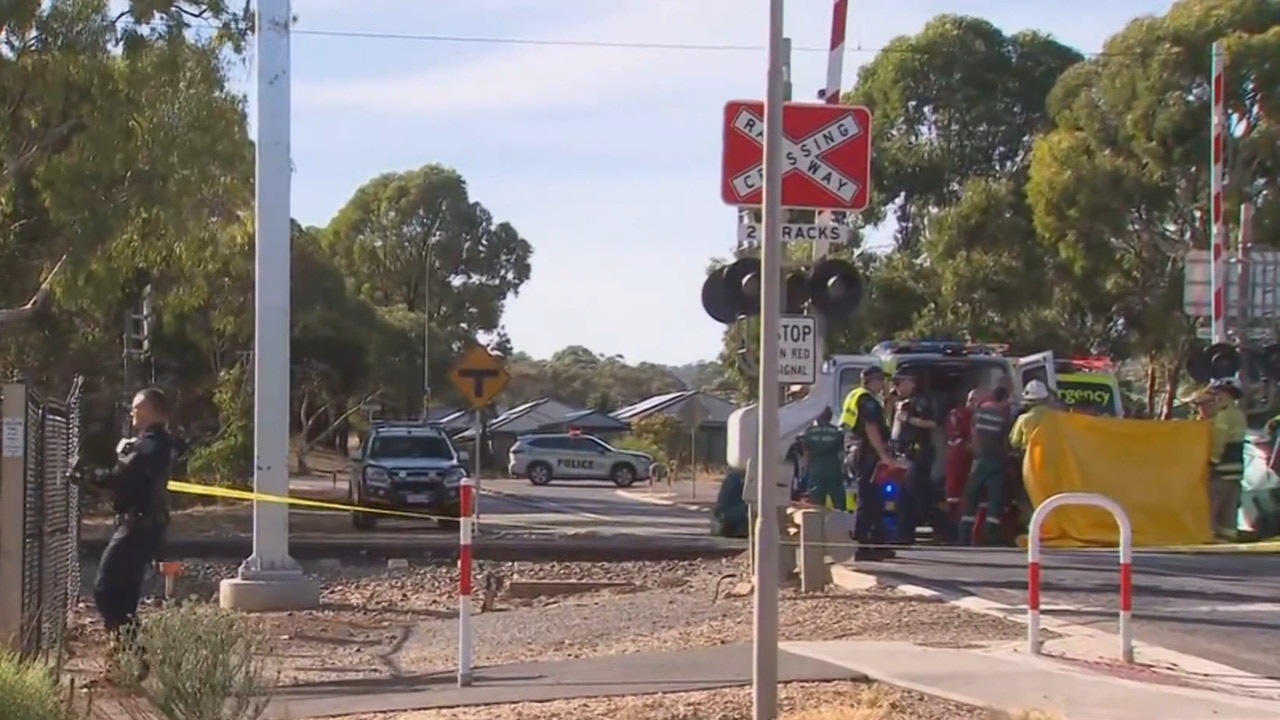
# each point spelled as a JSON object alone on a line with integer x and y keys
{"x": 39, "y": 519}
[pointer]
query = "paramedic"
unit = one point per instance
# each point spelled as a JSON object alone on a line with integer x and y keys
{"x": 990, "y": 447}
{"x": 824, "y": 458}
{"x": 863, "y": 416}
{"x": 1229, "y": 429}
{"x": 959, "y": 451}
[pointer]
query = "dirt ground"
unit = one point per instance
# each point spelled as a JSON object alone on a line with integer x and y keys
{"x": 378, "y": 623}
{"x": 796, "y": 701}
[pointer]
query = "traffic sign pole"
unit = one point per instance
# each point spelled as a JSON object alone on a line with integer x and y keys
{"x": 764, "y": 675}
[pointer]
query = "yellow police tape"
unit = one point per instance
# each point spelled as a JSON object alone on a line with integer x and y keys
{"x": 188, "y": 488}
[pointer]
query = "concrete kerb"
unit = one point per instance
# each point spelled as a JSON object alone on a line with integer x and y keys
{"x": 1078, "y": 640}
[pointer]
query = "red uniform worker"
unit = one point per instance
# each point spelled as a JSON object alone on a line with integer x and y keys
{"x": 959, "y": 452}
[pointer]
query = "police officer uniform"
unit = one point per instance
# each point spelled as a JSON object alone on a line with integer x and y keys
{"x": 863, "y": 409}
{"x": 140, "y": 499}
{"x": 916, "y": 498}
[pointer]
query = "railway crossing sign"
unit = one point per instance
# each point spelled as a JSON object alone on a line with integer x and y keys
{"x": 479, "y": 376}
{"x": 826, "y": 155}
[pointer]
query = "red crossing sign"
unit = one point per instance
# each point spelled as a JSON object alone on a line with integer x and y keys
{"x": 826, "y": 155}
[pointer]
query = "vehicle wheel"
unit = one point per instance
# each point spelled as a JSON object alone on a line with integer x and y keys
{"x": 539, "y": 474}
{"x": 361, "y": 520}
{"x": 623, "y": 475}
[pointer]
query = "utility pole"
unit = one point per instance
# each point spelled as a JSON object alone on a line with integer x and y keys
{"x": 426, "y": 330}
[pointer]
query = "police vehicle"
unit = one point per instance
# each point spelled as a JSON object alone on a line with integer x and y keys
{"x": 945, "y": 371}
{"x": 574, "y": 456}
{"x": 409, "y": 467}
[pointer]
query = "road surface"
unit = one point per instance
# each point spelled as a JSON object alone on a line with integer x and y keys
{"x": 585, "y": 507}
{"x": 1224, "y": 608}
{"x": 568, "y": 508}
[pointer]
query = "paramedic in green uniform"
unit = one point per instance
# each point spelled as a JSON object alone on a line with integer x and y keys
{"x": 990, "y": 440}
{"x": 824, "y": 457}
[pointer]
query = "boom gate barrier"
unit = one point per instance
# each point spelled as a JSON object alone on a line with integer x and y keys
{"x": 39, "y": 519}
{"x": 1126, "y": 566}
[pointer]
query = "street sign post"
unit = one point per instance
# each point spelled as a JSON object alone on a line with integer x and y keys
{"x": 797, "y": 350}
{"x": 826, "y": 155}
{"x": 479, "y": 377}
{"x": 752, "y": 234}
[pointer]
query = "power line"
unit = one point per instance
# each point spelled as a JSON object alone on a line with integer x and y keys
{"x": 621, "y": 45}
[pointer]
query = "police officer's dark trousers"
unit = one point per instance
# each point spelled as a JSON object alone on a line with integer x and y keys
{"x": 868, "y": 517}
{"x": 121, "y": 571}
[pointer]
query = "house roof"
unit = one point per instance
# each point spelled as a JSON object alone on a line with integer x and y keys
{"x": 528, "y": 417}
{"x": 596, "y": 420}
{"x": 684, "y": 405}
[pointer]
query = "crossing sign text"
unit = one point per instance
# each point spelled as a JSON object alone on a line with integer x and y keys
{"x": 826, "y": 155}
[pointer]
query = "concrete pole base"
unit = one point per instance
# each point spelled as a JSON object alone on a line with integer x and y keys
{"x": 267, "y": 595}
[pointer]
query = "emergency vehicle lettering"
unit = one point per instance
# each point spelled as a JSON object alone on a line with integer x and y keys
{"x": 1078, "y": 396}
{"x": 576, "y": 464}
{"x": 804, "y": 156}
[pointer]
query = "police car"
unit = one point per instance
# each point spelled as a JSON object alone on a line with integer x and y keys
{"x": 409, "y": 467}
{"x": 574, "y": 456}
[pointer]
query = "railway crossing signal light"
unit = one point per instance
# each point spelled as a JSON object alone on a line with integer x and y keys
{"x": 1220, "y": 360}
{"x": 833, "y": 287}
{"x": 795, "y": 292}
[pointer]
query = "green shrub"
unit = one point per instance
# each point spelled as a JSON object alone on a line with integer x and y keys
{"x": 205, "y": 664}
{"x": 637, "y": 444}
{"x": 30, "y": 691}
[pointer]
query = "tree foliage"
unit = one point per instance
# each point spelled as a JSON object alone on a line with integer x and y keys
{"x": 1047, "y": 200}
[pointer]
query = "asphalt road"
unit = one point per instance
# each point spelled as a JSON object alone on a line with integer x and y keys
{"x": 590, "y": 508}
{"x": 1224, "y": 608}
{"x": 570, "y": 521}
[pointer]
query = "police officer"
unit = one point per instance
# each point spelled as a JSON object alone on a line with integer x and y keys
{"x": 863, "y": 416}
{"x": 913, "y": 425}
{"x": 1229, "y": 429}
{"x": 823, "y": 445}
{"x": 990, "y": 444}
{"x": 138, "y": 485}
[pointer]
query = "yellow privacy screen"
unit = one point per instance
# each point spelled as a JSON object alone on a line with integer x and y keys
{"x": 1156, "y": 470}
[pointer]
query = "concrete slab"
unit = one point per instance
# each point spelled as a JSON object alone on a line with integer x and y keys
{"x": 1000, "y": 678}
{"x": 632, "y": 674}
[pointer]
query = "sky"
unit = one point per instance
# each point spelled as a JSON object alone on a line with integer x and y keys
{"x": 607, "y": 159}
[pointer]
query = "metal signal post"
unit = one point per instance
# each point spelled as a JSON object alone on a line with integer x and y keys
{"x": 764, "y": 676}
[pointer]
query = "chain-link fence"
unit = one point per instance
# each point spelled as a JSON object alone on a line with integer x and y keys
{"x": 41, "y": 441}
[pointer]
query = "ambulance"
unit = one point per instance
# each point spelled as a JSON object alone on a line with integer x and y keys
{"x": 944, "y": 371}
{"x": 1089, "y": 385}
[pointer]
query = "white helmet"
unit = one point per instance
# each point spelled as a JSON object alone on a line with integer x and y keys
{"x": 1035, "y": 391}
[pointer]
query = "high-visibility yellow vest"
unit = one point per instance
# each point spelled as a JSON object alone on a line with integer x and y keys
{"x": 849, "y": 412}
